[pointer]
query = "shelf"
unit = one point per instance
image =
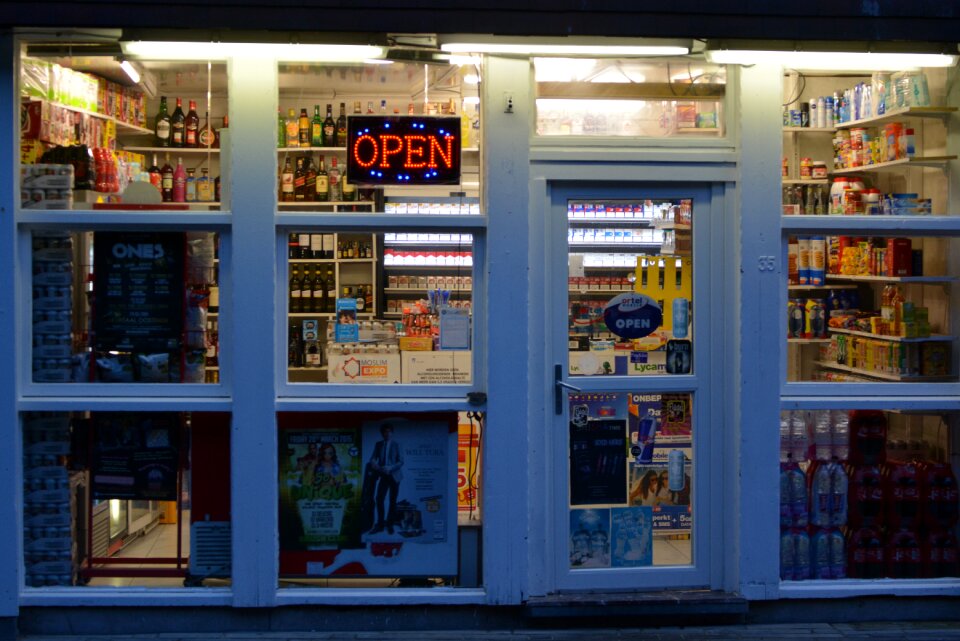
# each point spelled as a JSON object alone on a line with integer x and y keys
{"x": 872, "y": 225}
{"x": 173, "y": 150}
{"x": 607, "y": 246}
{"x": 122, "y": 127}
{"x": 325, "y": 314}
{"x": 810, "y": 181}
{"x": 883, "y": 376}
{"x": 809, "y": 130}
{"x": 395, "y": 266}
{"x": 632, "y": 221}
{"x": 599, "y": 291}
{"x": 322, "y": 368}
{"x": 314, "y": 260}
{"x": 915, "y": 161}
{"x": 212, "y": 368}
{"x": 893, "y": 279}
{"x": 800, "y": 288}
{"x": 918, "y": 112}
{"x": 807, "y": 341}
{"x": 303, "y": 149}
{"x": 324, "y": 203}
{"x": 669, "y": 224}
{"x": 421, "y": 290}
{"x": 427, "y": 243}
{"x": 933, "y": 338}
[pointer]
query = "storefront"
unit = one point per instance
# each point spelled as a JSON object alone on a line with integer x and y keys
{"x": 422, "y": 320}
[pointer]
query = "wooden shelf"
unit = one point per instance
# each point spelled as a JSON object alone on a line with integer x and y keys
{"x": 324, "y": 203}
{"x": 322, "y": 368}
{"x": 933, "y": 338}
{"x": 895, "y": 114}
{"x": 122, "y": 127}
{"x": 915, "y": 161}
{"x": 297, "y": 150}
{"x": 893, "y": 279}
{"x": 884, "y": 376}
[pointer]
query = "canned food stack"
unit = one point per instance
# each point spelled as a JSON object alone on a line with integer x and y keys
{"x": 46, "y": 186}
{"x": 52, "y": 306}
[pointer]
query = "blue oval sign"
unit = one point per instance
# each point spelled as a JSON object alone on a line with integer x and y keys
{"x": 632, "y": 315}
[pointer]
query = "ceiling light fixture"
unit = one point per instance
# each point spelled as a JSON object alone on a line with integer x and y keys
{"x": 171, "y": 50}
{"x": 827, "y": 56}
{"x": 130, "y": 70}
{"x": 566, "y": 46}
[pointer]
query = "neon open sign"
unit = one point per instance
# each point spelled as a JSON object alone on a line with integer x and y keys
{"x": 403, "y": 150}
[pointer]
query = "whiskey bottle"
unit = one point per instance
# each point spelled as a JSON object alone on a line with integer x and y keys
{"x": 162, "y": 124}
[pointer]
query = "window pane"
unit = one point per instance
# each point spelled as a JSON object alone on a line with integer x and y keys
{"x": 125, "y": 307}
{"x": 629, "y": 97}
{"x": 110, "y": 499}
{"x": 394, "y": 307}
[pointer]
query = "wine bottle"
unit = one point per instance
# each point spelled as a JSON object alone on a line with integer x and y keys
{"x": 191, "y": 124}
{"x": 329, "y": 129}
{"x": 316, "y": 128}
{"x": 166, "y": 182}
{"x": 342, "y": 126}
{"x": 162, "y": 124}
{"x": 177, "y": 125}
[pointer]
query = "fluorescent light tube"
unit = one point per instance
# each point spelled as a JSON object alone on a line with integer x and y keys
{"x": 166, "y": 50}
{"x": 564, "y": 50}
{"x": 132, "y": 73}
{"x": 831, "y": 60}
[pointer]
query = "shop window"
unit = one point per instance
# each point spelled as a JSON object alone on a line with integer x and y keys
{"x": 630, "y": 287}
{"x": 377, "y": 500}
{"x": 868, "y": 494}
{"x": 393, "y": 307}
{"x": 125, "y": 307}
{"x": 126, "y": 499}
{"x": 93, "y": 138}
{"x": 631, "y": 480}
{"x": 609, "y": 97}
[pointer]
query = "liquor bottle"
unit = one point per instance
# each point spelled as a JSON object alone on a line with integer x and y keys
{"x": 205, "y": 189}
{"x": 206, "y": 137}
{"x": 323, "y": 185}
{"x": 166, "y": 182}
{"x": 327, "y": 245}
{"x": 335, "y": 194}
{"x": 319, "y": 293}
{"x": 295, "y": 291}
{"x": 310, "y": 181}
{"x": 299, "y": 182}
{"x": 331, "y": 300}
{"x": 216, "y": 139}
{"x": 303, "y": 240}
{"x": 191, "y": 186}
{"x": 369, "y": 106}
{"x": 306, "y": 290}
{"x": 286, "y": 182}
{"x": 361, "y": 299}
{"x": 316, "y": 128}
{"x": 162, "y": 124}
{"x": 383, "y": 107}
{"x": 329, "y": 129}
{"x": 303, "y": 124}
{"x": 177, "y": 125}
{"x": 312, "y": 357}
{"x": 342, "y": 126}
{"x": 293, "y": 129}
{"x": 348, "y": 189}
{"x": 216, "y": 189}
{"x": 356, "y": 108}
{"x": 293, "y": 246}
{"x": 179, "y": 182}
{"x": 281, "y": 129}
{"x": 191, "y": 124}
{"x": 156, "y": 178}
{"x": 294, "y": 352}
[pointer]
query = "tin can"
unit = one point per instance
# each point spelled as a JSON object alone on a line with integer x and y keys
{"x": 818, "y": 170}
{"x": 806, "y": 168}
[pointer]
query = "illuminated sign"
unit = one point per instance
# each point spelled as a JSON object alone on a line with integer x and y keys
{"x": 403, "y": 150}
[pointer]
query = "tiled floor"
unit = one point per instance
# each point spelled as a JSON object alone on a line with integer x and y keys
{"x": 160, "y": 542}
{"x": 670, "y": 552}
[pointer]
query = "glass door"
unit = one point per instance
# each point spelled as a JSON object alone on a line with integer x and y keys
{"x": 631, "y": 315}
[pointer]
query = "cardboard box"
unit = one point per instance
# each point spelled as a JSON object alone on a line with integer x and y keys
{"x": 416, "y": 343}
{"x": 364, "y": 368}
{"x": 437, "y": 368}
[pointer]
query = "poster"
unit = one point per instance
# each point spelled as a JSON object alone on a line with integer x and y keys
{"x": 598, "y": 449}
{"x": 346, "y": 330}
{"x": 590, "y": 538}
{"x": 320, "y": 488}
{"x": 138, "y": 291}
{"x": 669, "y": 499}
{"x": 631, "y": 537}
{"x": 468, "y": 469}
{"x": 136, "y": 456}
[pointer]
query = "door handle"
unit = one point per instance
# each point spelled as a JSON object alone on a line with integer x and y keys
{"x": 559, "y": 385}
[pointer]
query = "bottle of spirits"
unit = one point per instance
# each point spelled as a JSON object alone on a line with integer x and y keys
{"x": 323, "y": 185}
{"x": 191, "y": 124}
{"x": 162, "y": 124}
{"x": 281, "y": 129}
{"x": 310, "y": 181}
{"x": 156, "y": 178}
{"x": 306, "y": 291}
{"x": 177, "y": 125}
{"x": 299, "y": 182}
{"x": 205, "y": 188}
{"x": 316, "y": 128}
{"x": 166, "y": 181}
{"x": 191, "y": 186}
{"x": 295, "y": 291}
{"x": 327, "y": 246}
{"x": 294, "y": 353}
{"x": 331, "y": 300}
{"x": 303, "y": 124}
{"x": 319, "y": 293}
{"x": 329, "y": 129}
{"x": 342, "y": 126}
{"x": 216, "y": 140}
{"x": 216, "y": 189}
{"x": 206, "y": 138}
{"x": 179, "y": 183}
{"x": 356, "y": 108}
{"x": 369, "y": 106}
{"x": 335, "y": 194}
{"x": 347, "y": 188}
{"x": 286, "y": 182}
{"x": 293, "y": 129}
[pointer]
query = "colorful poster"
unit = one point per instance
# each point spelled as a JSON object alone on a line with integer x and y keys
{"x": 590, "y": 538}
{"x": 319, "y": 488}
{"x": 598, "y": 449}
{"x": 669, "y": 499}
{"x": 345, "y": 329}
{"x": 136, "y": 456}
{"x": 631, "y": 535}
{"x": 468, "y": 470}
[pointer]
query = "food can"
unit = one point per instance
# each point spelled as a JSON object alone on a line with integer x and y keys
{"x": 819, "y": 169}
{"x": 806, "y": 166}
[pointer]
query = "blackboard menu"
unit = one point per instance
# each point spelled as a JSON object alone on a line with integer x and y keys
{"x": 138, "y": 290}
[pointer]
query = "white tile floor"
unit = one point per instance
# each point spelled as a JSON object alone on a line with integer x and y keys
{"x": 670, "y": 552}
{"x": 161, "y": 542}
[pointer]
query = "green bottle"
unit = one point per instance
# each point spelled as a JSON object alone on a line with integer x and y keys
{"x": 316, "y": 128}
{"x": 281, "y": 130}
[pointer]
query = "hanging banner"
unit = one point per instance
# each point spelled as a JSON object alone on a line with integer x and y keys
{"x": 135, "y": 456}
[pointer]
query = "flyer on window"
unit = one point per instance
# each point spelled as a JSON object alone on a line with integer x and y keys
{"x": 598, "y": 449}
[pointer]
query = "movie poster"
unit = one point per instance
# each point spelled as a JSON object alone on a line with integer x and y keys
{"x": 589, "y": 539}
{"x": 320, "y": 488}
{"x": 598, "y": 449}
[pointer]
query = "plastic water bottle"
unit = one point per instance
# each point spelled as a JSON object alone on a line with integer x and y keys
{"x": 838, "y": 555}
{"x": 840, "y": 421}
{"x": 786, "y": 506}
{"x": 786, "y": 449}
{"x": 839, "y": 485}
{"x": 820, "y": 555}
{"x": 822, "y": 435}
{"x": 798, "y": 497}
{"x": 675, "y": 472}
{"x": 801, "y": 567}
{"x": 820, "y": 495}
{"x": 799, "y": 440}
{"x": 788, "y": 554}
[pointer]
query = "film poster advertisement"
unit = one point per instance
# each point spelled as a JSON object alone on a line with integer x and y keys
{"x": 135, "y": 456}
{"x": 598, "y": 448}
{"x": 320, "y": 488}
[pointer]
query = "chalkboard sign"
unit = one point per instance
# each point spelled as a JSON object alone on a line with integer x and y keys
{"x": 138, "y": 291}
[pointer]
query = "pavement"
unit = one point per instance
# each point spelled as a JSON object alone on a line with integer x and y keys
{"x": 890, "y": 631}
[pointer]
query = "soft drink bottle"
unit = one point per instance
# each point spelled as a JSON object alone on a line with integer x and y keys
{"x": 866, "y": 554}
{"x": 840, "y": 422}
{"x": 820, "y": 555}
{"x": 838, "y": 555}
{"x": 866, "y": 500}
{"x": 903, "y": 495}
{"x": 904, "y": 559}
{"x": 940, "y": 555}
{"x": 868, "y": 436}
{"x": 939, "y": 495}
{"x": 801, "y": 567}
{"x": 788, "y": 554}
{"x": 820, "y": 494}
{"x": 839, "y": 485}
